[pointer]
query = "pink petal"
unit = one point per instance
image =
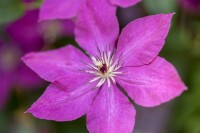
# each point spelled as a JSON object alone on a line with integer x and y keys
{"x": 72, "y": 81}
{"x": 59, "y": 9}
{"x": 53, "y": 64}
{"x": 153, "y": 84}
{"x": 124, "y": 3}
{"x": 97, "y": 26}
{"x": 60, "y": 105}
{"x": 141, "y": 40}
{"x": 111, "y": 112}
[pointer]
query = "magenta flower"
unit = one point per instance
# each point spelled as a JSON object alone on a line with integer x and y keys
{"x": 27, "y": 1}
{"x": 192, "y": 6}
{"x": 90, "y": 84}
{"x": 26, "y": 32}
{"x": 24, "y": 36}
{"x": 67, "y": 9}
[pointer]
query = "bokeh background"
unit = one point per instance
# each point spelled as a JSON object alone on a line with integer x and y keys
{"x": 21, "y": 33}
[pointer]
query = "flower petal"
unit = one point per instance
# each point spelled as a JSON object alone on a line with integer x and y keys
{"x": 141, "y": 40}
{"x": 97, "y": 26}
{"x": 111, "y": 112}
{"x": 53, "y": 64}
{"x": 59, "y": 9}
{"x": 153, "y": 84}
{"x": 60, "y": 105}
{"x": 73, "y": 81}
{"x": 124, "y": 3}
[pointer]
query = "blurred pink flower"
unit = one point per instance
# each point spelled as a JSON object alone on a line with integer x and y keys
{"x": 26, "y": 32}
{"x": 91, "y": 84}
{"x": 192, "y": 6}
{"x": 24, "y": 36}
{"x": 57, "y": 28}
{"x": 51, "y": 29}
{"x": 27, "y": 1}
{"x": 67, "y": 9}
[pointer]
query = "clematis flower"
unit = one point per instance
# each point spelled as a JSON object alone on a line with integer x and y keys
{"x": 92, "y": 83}
{"x": 26, "y": 32}
{"x": 24, "y": 36}
{"x": 67, "y": 9}
{"x": 192, "y": 6}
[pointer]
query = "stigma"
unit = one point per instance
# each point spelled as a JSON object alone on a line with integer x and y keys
{"x": 104, "y": 68}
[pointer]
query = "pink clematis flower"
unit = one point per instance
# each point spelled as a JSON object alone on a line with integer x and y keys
{"x": 24, "y": 36}
{"x": 91, "y": 84}
{"x": 67, "y": 9}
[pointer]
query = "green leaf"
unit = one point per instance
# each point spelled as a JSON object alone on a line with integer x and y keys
{"x": 160, "y": 6}
{"x": 38, "y": 3}
{"x": 3, "y": 121}
{"x": 10, "y": 10}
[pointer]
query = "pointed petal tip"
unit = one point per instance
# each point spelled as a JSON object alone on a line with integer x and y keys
{"x": 175, "y": 96}
{"x": 185, "y": 88}
{"x": 168, "y": 15}
{"x": 27, "y": 111}
{"x": 25, "y": 57}
{"x": 143, "y": 39}
{"x": 171, "y": 14}
{"x": 168, "y": 84}
{"x": 36, "y": 115}
{"x": 164, "y": 15}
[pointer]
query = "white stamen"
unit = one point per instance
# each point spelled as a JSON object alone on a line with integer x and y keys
{"x": 94, "y": 60}
{"x": 92, "y": 72}
{"x": 108, "y": 80}
{"x": 113, "y": 80}
{"x": 95, "y": 79}
{"x": 104, "y": 68}
{"x": 117, "y": 73}
{"x": 117, "y": 68}
{"x": 91, "y": 66}
{"x": 106, "y": 58}
{"x": 101, "y": 82}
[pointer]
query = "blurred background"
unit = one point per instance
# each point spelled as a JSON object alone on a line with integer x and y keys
{"x": 21, "y": 33}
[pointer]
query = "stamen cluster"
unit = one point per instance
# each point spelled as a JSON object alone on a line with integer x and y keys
{"x": 104, "y": 67}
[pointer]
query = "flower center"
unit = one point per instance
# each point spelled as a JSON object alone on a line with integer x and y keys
{"x": 104, "y": 68}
